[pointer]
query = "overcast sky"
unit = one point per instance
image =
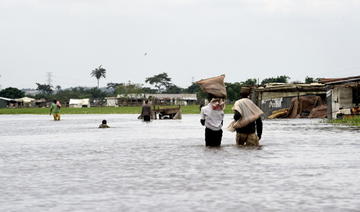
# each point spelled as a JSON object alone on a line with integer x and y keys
{"x": 188, "y": 39}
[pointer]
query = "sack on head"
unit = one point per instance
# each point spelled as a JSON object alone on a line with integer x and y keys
{"x": 214, "y": 86}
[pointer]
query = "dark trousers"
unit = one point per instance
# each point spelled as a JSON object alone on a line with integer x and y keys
{"x": 213, "y": 138}
{"x": 146, "y": 118}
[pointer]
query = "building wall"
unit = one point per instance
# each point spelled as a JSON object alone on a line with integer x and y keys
{"x": 346, "y": 97}
{"x": 3, "y": 103}
{"x": 329, "y": 104}
{"x": 270, "y": 105}
{"x": 272, "y": 95}
{"x": 270, "y": 101}
{"x": 111, "y": 102}
{"x": 341, "y": 98}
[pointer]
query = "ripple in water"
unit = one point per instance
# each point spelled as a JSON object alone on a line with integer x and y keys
{"x": 71, "y": 165}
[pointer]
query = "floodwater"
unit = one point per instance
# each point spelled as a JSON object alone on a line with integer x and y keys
{"x": 71, "y": 165}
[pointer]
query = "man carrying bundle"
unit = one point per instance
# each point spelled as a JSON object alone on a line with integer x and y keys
{"x": 247, "y": 120}
{"x": 212, "y": 115}
{"x": 146, "y": 111}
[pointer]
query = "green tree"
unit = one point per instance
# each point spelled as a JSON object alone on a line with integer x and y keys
{"x": 160, "y": 81}
{"x": 174, "y": 89}
{"x": 233, "y": 90}
{"x": 98, "y": 73}
{"x": 96, "y": 93}
{"x": 65, "y": 95}
{"x": 128, "y": 88}
{"x": 113, "y": 85}
{"x": 148, "y": 90}
{"x": 249, "y": 82}
{"x": 309, "y": 80}
{"x": 44, "y": 89}
{"x": 12, "y": 93}
{"x": 195, "y": 88}
{"x": 278, "y": 79}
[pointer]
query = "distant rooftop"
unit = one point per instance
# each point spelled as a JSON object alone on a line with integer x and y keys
{"x": 329, "y": 81}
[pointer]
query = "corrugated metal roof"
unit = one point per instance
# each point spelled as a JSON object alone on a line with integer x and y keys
{"x": 25, "y": 99}
{"x": 131, "y": 96}
{"x": 7, "y": 99}
{"x": 287, "y": 87}
{"x": 331, "y": 81}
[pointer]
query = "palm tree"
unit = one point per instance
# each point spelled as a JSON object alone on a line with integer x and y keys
{"x": 98, "y": 73}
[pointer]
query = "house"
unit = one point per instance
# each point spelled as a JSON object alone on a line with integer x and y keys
{"x": 41, "y": 103}
{"x": 7, "y": 102}
{"x": 111, "y": 101}
{"x": 343, "y": 96}
{"x": 26, "y": 102}
{"x": 4, "y": 102}
{"x": 22, "y": 102}
{"x": 276, "y": 96}
{"x": 79, "y": 103}
{"x": 130, "y": 99}
{"x": 172, "y": 99}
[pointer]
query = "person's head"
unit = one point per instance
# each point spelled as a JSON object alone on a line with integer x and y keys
{"x": 104, "y": 122}
{"x": 55, "y": 101}
{"x": 146, "y": 101}
{"x": 217, "y": 104}
{"x": 244, "y": 92}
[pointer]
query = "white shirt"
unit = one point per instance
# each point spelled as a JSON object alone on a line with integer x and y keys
{"x": 213, "y": 118}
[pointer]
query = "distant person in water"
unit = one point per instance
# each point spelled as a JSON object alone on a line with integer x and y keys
{"x": 104, "y": 124}
{"x": 146, "y": 111}
{"x": 55, "y": 110}
{"x": 212, "y": 116}
{"x": 247, "y": 120}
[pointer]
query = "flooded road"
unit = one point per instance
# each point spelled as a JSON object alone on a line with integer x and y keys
{"x": 71, "y": 165}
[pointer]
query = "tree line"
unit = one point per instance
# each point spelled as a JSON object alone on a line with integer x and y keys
{"x": 161, "y": 84}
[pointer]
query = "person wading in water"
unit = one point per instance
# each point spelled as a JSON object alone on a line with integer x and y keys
{"x": 212, "y": 116}
{"x": 55, "y": 110}
{"x": 247, "y": 120}
{"x": 146, "y": 111}
{"x": 104, "y": 124}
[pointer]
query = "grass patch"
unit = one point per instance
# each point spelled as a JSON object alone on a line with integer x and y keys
{"x": 353, "y": 121}
{"x": 189, "y": 109}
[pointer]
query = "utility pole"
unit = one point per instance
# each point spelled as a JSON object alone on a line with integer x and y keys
{"x": 49, "y": 78}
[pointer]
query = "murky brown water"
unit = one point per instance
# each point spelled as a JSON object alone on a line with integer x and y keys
{"x": 71, "y": 165}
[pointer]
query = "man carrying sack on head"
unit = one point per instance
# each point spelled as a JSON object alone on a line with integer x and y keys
{"x": 212, "y": 115}
{"x": 247, "y": 119}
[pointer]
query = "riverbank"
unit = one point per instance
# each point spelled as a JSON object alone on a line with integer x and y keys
{"x": 353, "y": 121}
{"x": 189, "y": 109}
